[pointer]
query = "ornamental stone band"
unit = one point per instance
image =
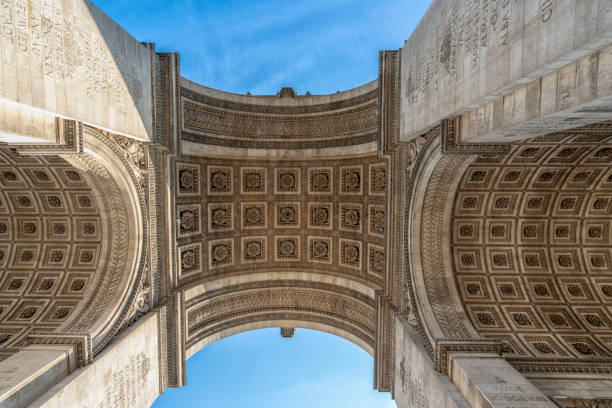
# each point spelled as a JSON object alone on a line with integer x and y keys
{"x": 452, "y": 217}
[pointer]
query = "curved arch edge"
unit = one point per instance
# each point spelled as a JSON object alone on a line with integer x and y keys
{"x": 298, "y": 324}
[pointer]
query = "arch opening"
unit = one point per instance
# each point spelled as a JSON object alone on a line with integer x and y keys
{"x": 269, "y": 368}
{"x": 219, "y": 309}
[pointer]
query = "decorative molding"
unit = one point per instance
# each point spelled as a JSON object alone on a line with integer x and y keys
{"x": 315, "y": 302}
{"x": 384, "y": 346}
{"x": 171, "y": 351}
{"x": 136, "y": 155}
{"x": 118, "y": 256}
{"x": 534, "y": 366}
{"x": 140, "y": 306}
{"x": 389, "y": 100}
{"x": 111, "y": 275}
{"x": 287, "y": 332}
{"x": 408, "y": 159}
{"x": 446, "y": 346}
{"x": 80, "y": 342}
{"x": 158, "y": 238}
{"x": 165, "y": 100}
{"x": 451, "y": 143}
{"x": 438, "y": 192}
{"x": 214, "y": 121}
{"x": 69, "y": 140}
{"x": 584, "y": 403}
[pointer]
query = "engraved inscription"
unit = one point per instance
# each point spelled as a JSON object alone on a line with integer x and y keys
{"x": 547, "y": 10}
{"x": 68, "y": 48}
{"x": 472, "y": 30}
{"x": 128, "y": 385}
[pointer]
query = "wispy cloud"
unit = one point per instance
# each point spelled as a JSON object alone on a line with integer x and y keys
{"x": 258, "y": 46}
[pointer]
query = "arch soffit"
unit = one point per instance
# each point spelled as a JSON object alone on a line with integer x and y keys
{"x": 313, "y": 125}
{"x": 532, "y": 246}
{"x": 298, "y": 324}
{"x": 244, "y": 216}
{"x": 229, "y": 305}
{"x": 116, "y": 189}
{"x": 570, "y": 164}
{"x": 120, "y": 186}
{"x": 53, "y": 234}
{"x": 440, "y": 312}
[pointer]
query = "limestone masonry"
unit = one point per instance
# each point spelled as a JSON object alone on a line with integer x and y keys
{"x": 453, "y": 217}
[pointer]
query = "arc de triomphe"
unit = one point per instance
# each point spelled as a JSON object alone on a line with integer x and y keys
{"x": 453, "y": 217}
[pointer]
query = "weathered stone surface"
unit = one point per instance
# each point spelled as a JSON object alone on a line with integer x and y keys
{"x": 30, "y": 372}
{"x": 126, "y": 375}
{"x": 466, "y": 53}
{"x": 484, "y": 263}
{"x": 488, "y": 380}
{"x": 66, "y": 57}
{"x": 417, "y": 384}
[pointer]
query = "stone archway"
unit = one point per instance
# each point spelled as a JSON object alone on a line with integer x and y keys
{"x": 56, "y": 238}
{"x": 367, "y": 213}
{"x": 509, "y": 257}
{"x": 339, "y": 306}
{"x": 295, "y": 232}
{"x": 73, "y": 248}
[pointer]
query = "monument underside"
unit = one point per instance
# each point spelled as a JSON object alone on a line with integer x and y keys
{"x": 452, "y": 217}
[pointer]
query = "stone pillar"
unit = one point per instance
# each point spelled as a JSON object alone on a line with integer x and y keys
{"x": 126, "y": 374}
{"x": 416, "y": 382}
{"x": 487, "y": 380}
{"x": 26, "y": 375}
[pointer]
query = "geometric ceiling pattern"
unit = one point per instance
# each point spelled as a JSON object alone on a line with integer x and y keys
{"x": 242, "y": 216}
{"x": 50, "y": 243}
{"x": 532, "y": 246}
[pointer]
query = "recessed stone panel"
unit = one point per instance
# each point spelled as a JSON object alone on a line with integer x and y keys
{"x": 220, "y": 217}
{"x": 254, "y": 249}
{"x": 220, "y": 180}
{"x": 377, "y": 261}
{"x": 287, "y": 248}
{"x": 287, "y": 180}
{"x": 377, "y": 220}
{"x": 351, "y": 253}
{"x": 287, "y": 215}
{"x": 351, "y": 217}
{"x": 220, "y": 253}
{"x": 254, "y": 215}
{"x": 320, "y": 215}
{"x": 378, "y": 179}
{"x": 187, "y": 179}
{"x": 254, "y": 180}
{"x": 351, "y": 180}
{"x": 321, "y": 180}
{"x": 189, "y": 219}
{"x": 55, "y": 256}
{"x": 320, "y": 250}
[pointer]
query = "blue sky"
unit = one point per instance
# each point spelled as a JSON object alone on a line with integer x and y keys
{"x": 260, "y": 369}
{"x": 259, "y": 46}
{"x": 321, "y": 46}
